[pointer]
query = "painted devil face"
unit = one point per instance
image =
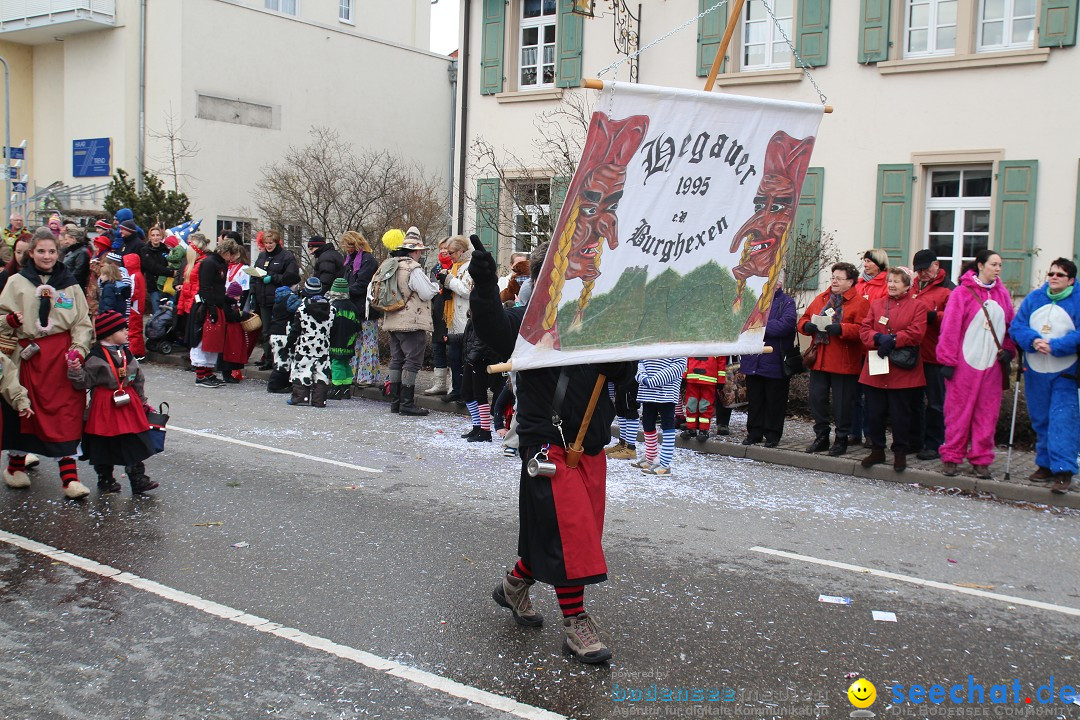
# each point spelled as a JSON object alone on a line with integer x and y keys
{"x": 596, "y": 221}
{"x": 774, "y": 209}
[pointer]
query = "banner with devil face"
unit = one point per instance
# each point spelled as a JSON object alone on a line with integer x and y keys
{"x": 672, "y": 235}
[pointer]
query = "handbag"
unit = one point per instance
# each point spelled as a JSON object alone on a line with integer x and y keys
{"x": 158, "y": 420}
{"x": 793, "y": 361}
{"x": 734, "y": 393}
{"x": 809, "y": 355}
{"x": 1005, "y": 367}
{"x": 904, "y": 358}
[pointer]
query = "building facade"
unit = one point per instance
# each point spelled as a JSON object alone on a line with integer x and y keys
{"x": 243, "y": 80}
{"x": 953, "y": 126}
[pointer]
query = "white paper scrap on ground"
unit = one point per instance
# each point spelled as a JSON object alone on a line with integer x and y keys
{"x": 834, "y": 599}
{"x": 882, "y": 616}
{"x": 877, "y": 365}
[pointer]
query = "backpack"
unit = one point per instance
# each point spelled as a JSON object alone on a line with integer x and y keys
{"x": 384, "y": 291}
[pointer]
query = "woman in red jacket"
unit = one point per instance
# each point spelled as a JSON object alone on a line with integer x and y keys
{"x": 896, "y": 321}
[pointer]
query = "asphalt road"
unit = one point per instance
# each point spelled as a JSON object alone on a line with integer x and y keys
{"x": 371, "y": 544}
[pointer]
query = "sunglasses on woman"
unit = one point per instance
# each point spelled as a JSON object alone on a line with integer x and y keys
{"x": 1057, "y": 274}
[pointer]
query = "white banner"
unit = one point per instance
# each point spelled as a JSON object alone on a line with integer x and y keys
{"x": 672, "y": 234}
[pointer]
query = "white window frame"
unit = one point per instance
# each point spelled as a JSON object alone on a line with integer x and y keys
{"x": 931, "y": 29}
{"x": 1007, "y": 21}
{"x": 540, "y": 23}
{"x": 536, "y": 213}
{"x": 244, "y": 226}
{"x": 345, "y": 11}
{"x": 772, "y": 36}
{"x": 960, "y": 206}
{"x": 276, "y": 6}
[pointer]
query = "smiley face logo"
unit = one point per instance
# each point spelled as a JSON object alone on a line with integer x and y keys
{"x": 862, "y": 693}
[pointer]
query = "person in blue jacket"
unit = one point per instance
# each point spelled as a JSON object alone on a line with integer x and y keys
{"x": 767, "y": 384}
{"x": 1047, "y": 329}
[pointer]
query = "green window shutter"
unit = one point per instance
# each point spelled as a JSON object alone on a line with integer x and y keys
{"x": 559, "y": 186}
{"x": 1076, "y": 222}
{"x": 1057, "y": 23}
{"x": 804, "y": 261}
{"x": 571, "y": 28}
{"x": 710, "y": 31}
{"x": 892, "y": 221}
{"x": 487, "y": 213}
{"x": 1014, "y": 218}
{"x": 491, "y": 47}
{"x": 812, "y": 32}
{"x": 874, "y": 30}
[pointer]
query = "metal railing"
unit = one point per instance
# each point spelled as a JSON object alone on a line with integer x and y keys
{"x": 25, "y": 12}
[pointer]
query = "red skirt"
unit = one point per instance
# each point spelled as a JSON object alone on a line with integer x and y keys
{"x": 238, "y": 343}
{"x": 58, "y": 407}
{"x": 108, "y": 419}
{"x": 213, "y": 334}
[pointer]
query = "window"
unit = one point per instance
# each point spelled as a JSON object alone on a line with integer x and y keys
{"x": 240, "y": 225}
{"x": 958, "y": 215}
{"x": 537, "y": 57}
{"x": 293, "y": 235}
{"x": 288, "y": 7}
{"x": 345, "y": 11}
{"x": 929, "y": 28}
{"x": 1006, "y": 25}
{"x": 764, "y": 47}
{"x": 532, "y": 214}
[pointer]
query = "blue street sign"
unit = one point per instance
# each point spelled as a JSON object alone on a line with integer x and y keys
{"x": 13, "y": 172}
{"x": 19, "y": 187}
{"x": 91, "y": 157}
{"x": 16, "y": 153}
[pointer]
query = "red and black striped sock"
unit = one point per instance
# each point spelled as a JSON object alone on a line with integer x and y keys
{"x": 571, "y": 600}
{"x": 68, "y": 471}
{"x": 201, "y": 373}
{"x": 521, "y": 571}
{"x": 16, "y": 463}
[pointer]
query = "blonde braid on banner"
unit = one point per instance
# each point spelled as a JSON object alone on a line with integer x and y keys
{"x": 586, "y": 292}
{"x": 774, "y": 274}
{"x": 558, "y": 269}
{"x": 740, "y": 285}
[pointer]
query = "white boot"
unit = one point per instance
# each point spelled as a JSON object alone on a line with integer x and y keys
{"x": 17, "y": 479}
{"x": 76, "y": 490}
{"x": 439, "y": 386}
{"x": 32, "y": 461}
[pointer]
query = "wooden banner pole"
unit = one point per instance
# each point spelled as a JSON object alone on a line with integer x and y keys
{"x": 575, "y": 451}
{"x": 732, "y": 22}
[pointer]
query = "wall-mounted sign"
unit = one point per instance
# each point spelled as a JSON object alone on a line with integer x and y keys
{"x": 16, "y": 153}
{"x": 19, "y": 187}
{"x": 91, "y": 157}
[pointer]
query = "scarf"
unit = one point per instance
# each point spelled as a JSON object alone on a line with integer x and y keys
{"x": 448, "y": 308}
{"x": 980, "y": 283}
{"x": 60, "y": 278}
{"x": 867, "y": 278}
{"x": 1059, "y": 295}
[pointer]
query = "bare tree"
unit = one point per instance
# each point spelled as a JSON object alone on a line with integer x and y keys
{"x": 811, "y": 252}
{"x": 176, "y": 150}
{"x": 326, "y": 188}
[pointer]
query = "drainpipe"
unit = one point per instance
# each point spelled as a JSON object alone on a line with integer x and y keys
{"x": 7, "y": 137}
{"x": 142, "y": 95}
{"x": 453, "y": 72}
{"x": 463, "y": 130}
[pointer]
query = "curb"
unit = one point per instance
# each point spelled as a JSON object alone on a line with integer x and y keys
{"x": 839, "y": 465}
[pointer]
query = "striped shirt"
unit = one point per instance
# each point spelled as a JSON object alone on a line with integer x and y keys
{"x": 659, "y": 380}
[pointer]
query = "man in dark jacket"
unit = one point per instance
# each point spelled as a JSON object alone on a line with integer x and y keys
{"x": 131, "y": 238}
{"x": 561, "y": 516}
{"x": 76, "y": 254}
{"x": 329, "y": 264}
{"x": 281, "y": 271}
{"x": 933, "y": 288}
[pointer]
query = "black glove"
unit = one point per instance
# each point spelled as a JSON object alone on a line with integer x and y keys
{"x": 947, "y": 371}
{"x": 834, "y": 329}
{"x": 885, "y": 343}
{"x": 1005, "y": 356}
{"x": 931, "y": 316}
{"x": 808, "y": 328}
{"x": 482, "y": 267}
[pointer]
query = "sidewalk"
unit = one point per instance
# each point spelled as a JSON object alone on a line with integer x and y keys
{"x": 798, "y": 433}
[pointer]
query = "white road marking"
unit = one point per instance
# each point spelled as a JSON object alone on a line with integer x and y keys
{"x": 279, "y": 451}
{"x": 1010, "y": 599}
{"x": 374, "y": 662}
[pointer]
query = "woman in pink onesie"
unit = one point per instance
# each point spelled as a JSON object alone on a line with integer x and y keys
{"x": 972, "y": 364}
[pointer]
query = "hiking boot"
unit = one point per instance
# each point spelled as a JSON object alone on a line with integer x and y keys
{"x": 1041, "y": 476}
{"x": 982, "y": 471}
{"x": 899, "y": 462}
{"x": 876, "y": 456}
{"x": 839, "y": 447}
{"x": 480, "y": 436}
{"x": 410, "y": 408}
{"x": 1061, "y": 483}
{"x": 581, "y": 640}
{"x": 820, "y": 444}
{"x": 513, "y": 593}
{"x": 141, "y": 484}
{"x": 928, "y": 454}
{"x": 703, "y": 435}
{"x": 626, "y": 452}
{"x": 107, "y": 484}
{"x": 950, "y": 469}
{"x": 472, "y": 432}
{"x": 617, "y": 446}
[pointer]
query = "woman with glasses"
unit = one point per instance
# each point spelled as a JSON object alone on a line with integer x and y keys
{"x": 1047, "y": 329}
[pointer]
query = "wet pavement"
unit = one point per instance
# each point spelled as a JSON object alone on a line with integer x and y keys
{"x": 400, "y": 561}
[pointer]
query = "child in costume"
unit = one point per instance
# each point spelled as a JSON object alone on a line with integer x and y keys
{"x": 286, "y": 303}
{"x": 309, "y": 345}
{"x": 343, "y": 332}
{"x": 237, "y": 345}
{"x": 659, "y": 382}
{"x": 13, "y": 393}
{"x": 113, "y": 292}
{"x": 702, "y": 378}
{"x": 116, "y": 431}
{"x": 133, "y": 265}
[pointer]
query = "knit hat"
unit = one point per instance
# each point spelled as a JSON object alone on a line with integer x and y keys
{"x": 130, "y": 225}
{"x": 312, "y": 287}
{"x": 281, "y": 293}
{"x": 878, "y": 256}
{"x": 171, "y": 241}
{"x": 234, "y": 290}
{"x": 340, "y": 287}
{"x": 124, "y": 214}
{"x": 316, "y": 241}
{"x": 413, "y": 241}
{"x": 115, "y": 257}
{"x": 103, "y": 225}
{"x": 102, "y": 243}
{"x": 109, "y": 322}
{"x": 923, "y": 259}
